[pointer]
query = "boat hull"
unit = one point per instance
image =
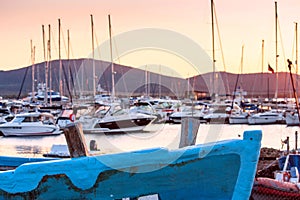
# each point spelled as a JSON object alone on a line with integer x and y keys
{"x": 30, "y": 130}
{"x": 194, "y": 172}
{"x": 120, "y": 125}
{"x": 8, "y": 162}
{"x": 238, "y": 120}
{"x": 266, "y": 188}
{"x": 265, "y": 120}
{"x": 178, "y": 119}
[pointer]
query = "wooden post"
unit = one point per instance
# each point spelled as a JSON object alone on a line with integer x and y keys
{"x": 296, "y": 140}
{"x": 189, "y": 130}
{"x": 75, "y": 140}
{"x": 288, "y": 144}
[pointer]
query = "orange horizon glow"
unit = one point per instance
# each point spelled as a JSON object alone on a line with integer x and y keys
{"x": 240, "y": 23}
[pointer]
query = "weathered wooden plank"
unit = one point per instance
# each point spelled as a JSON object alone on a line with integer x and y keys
{"x": 75, "y": 140}
{"x": 189, "y": 130}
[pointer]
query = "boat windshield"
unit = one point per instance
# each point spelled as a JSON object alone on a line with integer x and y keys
{"x": 53, "y": 93}
{"x": 18, "y": 119}
{"x": 102, "y": 110}
{"x": 141, "y": 107}
{"x": 119, "y": 112}
{"x": 25, "y": 119}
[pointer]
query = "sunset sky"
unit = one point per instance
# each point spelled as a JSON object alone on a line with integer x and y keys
{"x": 240, "y": 23}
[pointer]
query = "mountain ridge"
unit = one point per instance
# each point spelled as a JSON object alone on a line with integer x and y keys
{"x": 130, "y": 81}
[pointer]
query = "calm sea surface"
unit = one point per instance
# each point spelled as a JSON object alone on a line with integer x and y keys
{"x": 164, "y": 135}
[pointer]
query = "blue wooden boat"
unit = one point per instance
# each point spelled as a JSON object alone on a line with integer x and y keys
{"x": 8, "y": 162}
{"x": 220, "y": 170}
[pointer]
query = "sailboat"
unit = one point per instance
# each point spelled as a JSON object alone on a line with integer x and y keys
{"x": 115, "y": 119}
{"x": 292, "y": 118}
{"x": 272, "y": 116}
{"x": 237, "y": 116}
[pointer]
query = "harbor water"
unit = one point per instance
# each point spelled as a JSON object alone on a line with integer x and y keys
{"x": 157, "y": 135}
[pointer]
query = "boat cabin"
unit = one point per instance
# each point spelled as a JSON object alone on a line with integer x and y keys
{"x": 45, "y": 118}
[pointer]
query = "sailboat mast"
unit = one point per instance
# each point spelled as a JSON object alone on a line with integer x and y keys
{"x": 68, "y": 32}
{"x": 112, "y": 63}
{"x": 262, "y": 61}
{"x": 262, "y": 56}
{"x": 46, "y": 69}
{"x": 159, "y": 81}
{"x": 242, "y": 59}
{"x": 146, "y": 81}
{"x": 213, "y": 46}
{"x": 49, "y": 63}
{"x": 32, "y": 72}
{"x": 149, "y": 83}
{"x": 237, "y": 79}
{"x": 296, "y": 61}
{"x": 93, "y": 52}
{"x": 60, "y": 62}
{"x": 276, "y": 47}
{"x": 44, "y": 46}
{"x": 69, "y": 70}
{"x": 188, "y": 86}
{"x": 294, "y": 89}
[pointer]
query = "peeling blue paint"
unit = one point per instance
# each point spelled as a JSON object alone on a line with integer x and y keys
{"x": 225, "y": 171}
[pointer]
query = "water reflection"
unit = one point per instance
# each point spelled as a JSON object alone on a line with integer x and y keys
{"x": 34, "y": 150}
{"x": 167, "y": 136}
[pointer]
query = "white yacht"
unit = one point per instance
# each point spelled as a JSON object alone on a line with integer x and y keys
{"x": 30, "y": 124}
{"x": 241, "y": 118}
{"x": 116, "y": 120}
{"x": 268, "y": 117}
{"x": 193, "y": 111}
{"x": 238, "y": 116}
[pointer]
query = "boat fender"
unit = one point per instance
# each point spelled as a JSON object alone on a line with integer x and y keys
{"x": 286, "y": 176}
{"x": 72, "y": 117}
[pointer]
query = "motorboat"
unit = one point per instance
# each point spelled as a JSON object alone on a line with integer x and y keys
{"x": 53, "y": 95}
{"x": 241, "y": 118}
{"x": 42, "y": 92}
{"x": 219, "y": 114}
{"x": 146, "y": 107}
{"x": 165, "y": 107}
{"x": 30, "y": 124}
{"x": 114, "y": 119}
{"x": 197, "y": 111}
{"x": 238, "y": 116}
{"x": 268, "y": 117}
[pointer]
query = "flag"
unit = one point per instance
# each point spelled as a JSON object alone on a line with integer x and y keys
{"x": 270, "y": 69}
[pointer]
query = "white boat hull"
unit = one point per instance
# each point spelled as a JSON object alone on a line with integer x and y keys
{"x": 28, "y": 130}
{"x": 129, "y": 123}
{"x": 264, "y": 120}
{"x": 238, "y": 120}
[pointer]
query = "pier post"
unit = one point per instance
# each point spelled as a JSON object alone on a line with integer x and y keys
{"x": 75, "y": 140}
{"x": 189, "y": 130}
{"x": 296, "y": 140}
{"x": 288, "y": 144}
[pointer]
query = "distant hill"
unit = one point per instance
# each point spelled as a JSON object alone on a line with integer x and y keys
{"x": 129, "y": 81}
